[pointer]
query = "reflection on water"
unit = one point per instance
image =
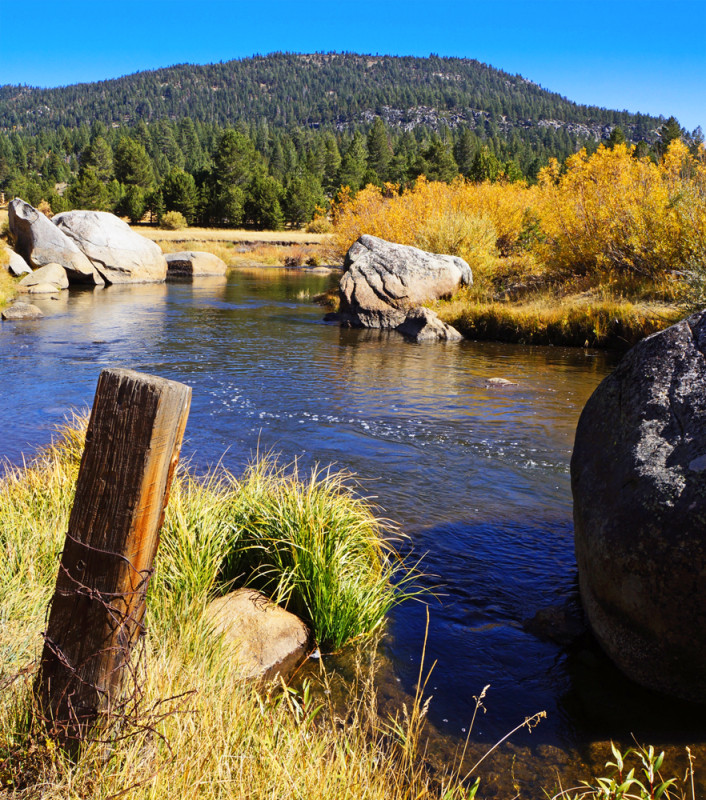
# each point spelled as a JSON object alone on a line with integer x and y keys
{"x": 477, "y": 475}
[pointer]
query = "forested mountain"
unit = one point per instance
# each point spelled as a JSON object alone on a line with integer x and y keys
{"x": 312, "y": 90}
{"x": 266, "y": 140}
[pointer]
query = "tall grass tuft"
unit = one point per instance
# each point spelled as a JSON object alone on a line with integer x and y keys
{"x": 314, "y": 547}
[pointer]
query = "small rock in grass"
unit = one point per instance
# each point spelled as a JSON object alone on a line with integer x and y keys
{"x": 265, "y": 639}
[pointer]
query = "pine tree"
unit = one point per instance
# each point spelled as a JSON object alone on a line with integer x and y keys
{"x": 379, "y": 150}
{"x": 354, "y": 163}
{"x": 99, "y": 156}
{"x": 179, "y": 193}
{"x": 132, "y": 164}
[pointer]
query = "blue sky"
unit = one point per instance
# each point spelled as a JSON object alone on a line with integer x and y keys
{"x": 644, "y": 56}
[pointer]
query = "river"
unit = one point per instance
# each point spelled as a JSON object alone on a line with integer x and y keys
{"x": 476, "y": 475}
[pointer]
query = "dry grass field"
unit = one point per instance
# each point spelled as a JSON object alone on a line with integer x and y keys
{"x": 232, "y": 235}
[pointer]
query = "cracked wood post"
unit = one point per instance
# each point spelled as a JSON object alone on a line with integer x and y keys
{"x": 132, "y": 448}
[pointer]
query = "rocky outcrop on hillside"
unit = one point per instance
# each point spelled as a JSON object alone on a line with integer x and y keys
{"x": 638, "y": 475}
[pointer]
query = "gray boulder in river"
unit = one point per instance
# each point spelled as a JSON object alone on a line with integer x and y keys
{"x": 53, "y": 274}
{"x": 638, "y": 475}
{"x": 194, "y": 264}
{"x": 20, "y": 310}
{"x": 382, "y": 282}
{"x": 40, "y": 242}
{"x": 116, "y": 251}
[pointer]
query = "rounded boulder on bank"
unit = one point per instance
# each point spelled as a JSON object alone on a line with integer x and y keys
{"x": 638, "y": 474}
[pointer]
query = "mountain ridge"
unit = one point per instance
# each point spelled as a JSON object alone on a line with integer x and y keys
{"x": 336, "y": 90}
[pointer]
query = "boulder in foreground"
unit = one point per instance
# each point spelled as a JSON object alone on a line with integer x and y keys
{"x": 383, "y": 281}
{"x": 264, "y": 638}
{"x": 194, "y": 264}
{"x": 40, "y": 242}
{"x": 638, "y": 474}
{"x": 114, "y": 249}
{"x": 21, "y": 311}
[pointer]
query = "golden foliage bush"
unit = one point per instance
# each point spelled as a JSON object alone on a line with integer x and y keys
{"x": 611, "y": 212}
{"x": 605, "y": 215}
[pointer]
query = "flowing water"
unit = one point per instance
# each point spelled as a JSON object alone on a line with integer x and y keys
{"x": 475, "y": 474}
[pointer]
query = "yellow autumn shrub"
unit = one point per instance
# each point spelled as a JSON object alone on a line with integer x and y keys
{"x": 480, "y": 222}
{"x": 613, "y": 213}
{"x": 608, "y": 216}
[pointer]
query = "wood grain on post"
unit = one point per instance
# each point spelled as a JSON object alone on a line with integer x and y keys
{"x": 132, "y": 448}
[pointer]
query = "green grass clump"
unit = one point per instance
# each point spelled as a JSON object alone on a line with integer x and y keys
{"x": 314, "y": 547}
{"x": 309, "y": 543}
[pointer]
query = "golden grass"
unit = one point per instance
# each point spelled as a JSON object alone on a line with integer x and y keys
{"x": 230, "y": 235}
{"x": 253, "y": 255}
{"x": 574, "y": 320}
{"x": 221, "y": 737}
{"x": 8, "y": 284}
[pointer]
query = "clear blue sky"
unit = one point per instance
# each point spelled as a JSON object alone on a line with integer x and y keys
{"x": 644, "y": 56}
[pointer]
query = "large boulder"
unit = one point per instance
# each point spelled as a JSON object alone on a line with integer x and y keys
{"x": 194, "y": 264}
{"x": 20, "y": 310}
{"x": 265, "y": 640}
{"x": 638, "y": 474}
{"x": 383, "y": 281}
{"x": 118, "y": 253}
{"x": 40, "y": 243}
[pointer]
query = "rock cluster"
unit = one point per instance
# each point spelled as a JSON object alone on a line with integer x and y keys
{"x": 89, "y": 247}
{"x": 118, "y": 253}
{"x": 384, "y": 286}
{"x": 40, "y": 242}
{"x": 638, "y": 474}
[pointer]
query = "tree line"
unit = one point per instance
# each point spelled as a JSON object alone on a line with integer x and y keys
{"x": 258, "y": 175}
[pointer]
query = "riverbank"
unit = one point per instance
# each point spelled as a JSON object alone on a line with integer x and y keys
{"x": 200, "y": 730}
{"x": 582, "y": 320}
{"x": 246, "y": 248}
{"x": 426, "y": 434}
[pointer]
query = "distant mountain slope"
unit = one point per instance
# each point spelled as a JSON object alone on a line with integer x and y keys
{"x": 331, "y": 90}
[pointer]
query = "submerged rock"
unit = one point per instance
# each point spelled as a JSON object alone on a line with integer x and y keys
{"x": 383, "y": 281}
{"x": 20, "y": 310}
{"x": 638, "y": 473}
{"x": 40, "y": 242}
{"x": 562, "y": 624}
{"x": 194, "y": 264}
{"x": 118, "y": 253}
{"x": 499, "y": 382}
{"x": 264, "y": 638}
{"x": 424, "y": 325}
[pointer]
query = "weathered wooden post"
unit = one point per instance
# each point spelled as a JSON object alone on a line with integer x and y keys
{"x": 132, "y": 448}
